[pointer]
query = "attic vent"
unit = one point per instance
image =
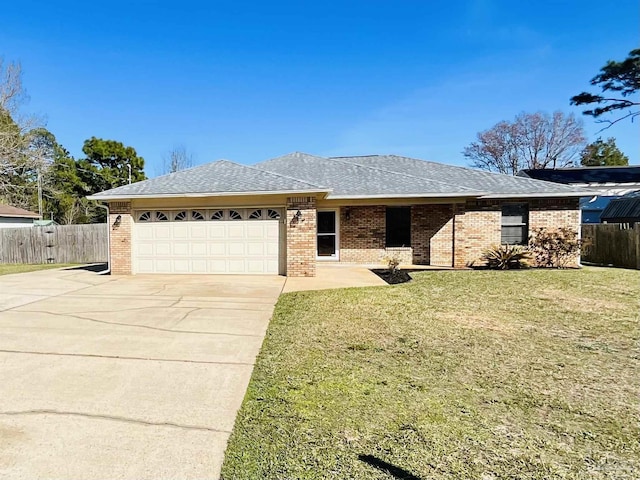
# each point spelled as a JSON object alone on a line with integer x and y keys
{"x": 120, "y": 207}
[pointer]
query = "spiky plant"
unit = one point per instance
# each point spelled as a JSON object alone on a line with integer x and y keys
{"x": 507, "y": 257}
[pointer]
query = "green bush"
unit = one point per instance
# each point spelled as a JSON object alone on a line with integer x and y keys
{"x": 507, "y": 257}
{"x": 554, "y": 248}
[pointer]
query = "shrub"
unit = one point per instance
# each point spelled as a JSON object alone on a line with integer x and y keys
{"x": 393, "y": 264}
{"x": 507, "y": 257}
{"x": 554, "y": 248}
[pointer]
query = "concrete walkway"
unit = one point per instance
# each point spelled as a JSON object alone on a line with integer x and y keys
{"x": 125, "y": 377}
{"x": 335, "y": 276}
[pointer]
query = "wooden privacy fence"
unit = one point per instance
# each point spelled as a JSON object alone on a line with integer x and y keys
{"x": 55, "y": 244}
{"x": 613, "y": 244}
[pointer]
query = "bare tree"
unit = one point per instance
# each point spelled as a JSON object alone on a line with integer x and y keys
{"x": 177, "y": 159}
{"x": 23, "y": 157}
{"x": 532, "y": 140}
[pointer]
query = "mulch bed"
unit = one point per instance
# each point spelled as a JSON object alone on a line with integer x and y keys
{"x": 401, "y": 276}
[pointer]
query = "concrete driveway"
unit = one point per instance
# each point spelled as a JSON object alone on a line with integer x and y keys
{"x": 125, "y": 377}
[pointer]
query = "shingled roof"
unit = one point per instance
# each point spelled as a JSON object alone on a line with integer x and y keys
{"x": 9, "y": 211}
{"x": 375, "y": 176}
{"x": 393, "y": 175}
{"x": 217, "y": 178}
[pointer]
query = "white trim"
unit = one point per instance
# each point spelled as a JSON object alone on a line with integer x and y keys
{"x": 409, "y": 195}
{"x": 585, "y": 193}
{"x": 480, "y": 195}
{"x": 336, "y": 256}
{"x": 200, "y": 195}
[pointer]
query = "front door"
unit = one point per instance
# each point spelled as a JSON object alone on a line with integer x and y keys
{"x": 327, "y": 235}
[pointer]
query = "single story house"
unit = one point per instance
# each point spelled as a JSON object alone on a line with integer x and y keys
{"x": 603, "y": 185}
{"x": 14, "y": 217}
{"x": 285, "y": 215}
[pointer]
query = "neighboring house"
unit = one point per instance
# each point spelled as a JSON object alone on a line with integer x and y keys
{"x": 14, "y": 217}
{"x": 623, "y": 210}
{"x": 285, "y": 215}
{"x": 605, "y": 184}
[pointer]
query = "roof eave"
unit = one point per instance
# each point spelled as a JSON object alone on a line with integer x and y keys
{"x": 408, "y": 195}
{"x": 206, "y": 194}
{"x": 538, "y": 195}
{"x": 30, "y": 217}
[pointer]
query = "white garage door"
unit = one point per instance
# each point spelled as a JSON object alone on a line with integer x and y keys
{"x": 234, "y": 241}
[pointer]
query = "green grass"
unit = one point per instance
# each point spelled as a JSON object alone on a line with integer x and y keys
{"x": 475, "y": 374}
{"x": 7, "y": 268}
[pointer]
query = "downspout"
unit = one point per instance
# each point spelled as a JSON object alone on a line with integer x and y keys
{"x": 108, "y": 270}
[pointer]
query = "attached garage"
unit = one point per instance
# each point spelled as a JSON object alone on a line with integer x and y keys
{"x": 209, "y": 241}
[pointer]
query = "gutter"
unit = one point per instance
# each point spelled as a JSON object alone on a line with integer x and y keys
{"x": 202, "y": 195}
{"x": 538, "y": 195}
{"x": 408, "y": 195}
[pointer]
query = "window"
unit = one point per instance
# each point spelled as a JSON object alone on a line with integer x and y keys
{"x": 255, "y": 215}
{"x": 327, "y": 241}
{"x": 180, "y": 216}
{"x": 217, "y": 215}
{"x": 398, "y": 227}
{"x": 273, "y": 214}
{"x": 145, "y": 217}
{"x": 196, "y": 215}
{"x": 234, "y": 215}
{"x": 161, "y": 217}
{"x": 515, "y": 224}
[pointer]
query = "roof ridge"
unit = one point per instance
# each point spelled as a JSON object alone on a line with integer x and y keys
{"x": 335, "y": 159}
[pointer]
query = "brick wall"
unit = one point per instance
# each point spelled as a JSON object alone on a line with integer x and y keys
{"x": 432, "y": 234}
{"x": 555, "y": 213}
{"x": 301, "y": 237}
{"x": 120, "y": 238}
{"x": 362, "y": 235}
{"x": 478, "y": 225}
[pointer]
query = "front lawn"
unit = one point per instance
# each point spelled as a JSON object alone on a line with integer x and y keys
{"x": 7, "y": 268}
{"x": 455, "y": 375}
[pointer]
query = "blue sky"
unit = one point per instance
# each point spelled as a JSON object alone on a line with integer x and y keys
{"x": 249, "y": 81}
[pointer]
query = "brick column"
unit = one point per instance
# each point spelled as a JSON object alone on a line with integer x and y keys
{"x": 301, "y": 237}
{"x": 120, "y": 237}
{"x": 459, "y": 244}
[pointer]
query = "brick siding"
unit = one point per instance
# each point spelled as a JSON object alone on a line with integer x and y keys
{"x": 444, "y": 234}
{"x": 301, "y": 237}
{"x": 432, "y": 234}
{"x": 479, "y": 226}
{"x": 441, "y": 234}
{"x": 120, "y": 238}
{"x": 363, "y": 235}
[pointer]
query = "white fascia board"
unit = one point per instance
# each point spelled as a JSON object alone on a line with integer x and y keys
{"x": 202, "y": 195}
{"x": 407, "y": 195}
{"x": 539, "y": 195}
